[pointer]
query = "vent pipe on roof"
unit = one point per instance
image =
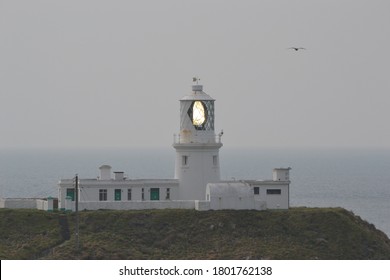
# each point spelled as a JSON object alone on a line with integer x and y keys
{"x": 197, "y": 88}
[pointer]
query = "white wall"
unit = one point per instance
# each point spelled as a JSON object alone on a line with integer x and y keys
{"x": 281, "y": 174}
{"x": 240, "y": 195}
{"x": 89, "y": 189}
{"x": 62, "y": 186}
{"x": 24, "y": 203}
{"x": 136, "y": 205}
{"x": 273, "y": 201}
{"x": 276, "y": 201}
{"x": 226, "y": 202}
{"x": 91, "y": 193}
{"x": 42, "y": 204}
{"x": 199, "y": 171}
{"x": 202, "y": 205}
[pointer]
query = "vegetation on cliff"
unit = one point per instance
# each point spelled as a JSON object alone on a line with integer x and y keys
{"x": 299, "y": 233}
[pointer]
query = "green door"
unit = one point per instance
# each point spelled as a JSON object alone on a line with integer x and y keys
{"x": 70, "y": 192}
{"x": 154, "y": 194}
{"x": 118, "y": 194}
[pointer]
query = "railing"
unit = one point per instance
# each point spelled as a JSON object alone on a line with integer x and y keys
{"x": 178, "y": 139}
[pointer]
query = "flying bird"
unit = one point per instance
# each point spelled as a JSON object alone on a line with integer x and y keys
{"x": 296, "y": 49}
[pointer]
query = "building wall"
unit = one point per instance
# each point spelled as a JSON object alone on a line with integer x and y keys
{"x": 89, "y": 190}
{"x": 230, "y": 202}
{"x": 268, "y": 194}
{"x": 91, "y": 193}
{"x": 225, "y": 195}
{"x": 42, "y": 204}
{"x": 257, "y": 195}
{"x": 202, "y": 205}
{"x": 136, "y": 205}
{"x": 199, "y": 169}
{"x": 276, "y": 201}
{"x": 281, "y": 174}
{"x": 24, "y": 203}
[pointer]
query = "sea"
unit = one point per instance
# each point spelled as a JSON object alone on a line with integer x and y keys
{"x": 355, "y": 179}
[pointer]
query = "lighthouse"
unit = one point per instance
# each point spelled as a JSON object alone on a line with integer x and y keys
{"x": 197, "y": 146}
{"x": 197, "y": 182}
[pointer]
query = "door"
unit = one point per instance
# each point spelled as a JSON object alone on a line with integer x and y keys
{"x": 118, "y": 194}
{"x": 154, "y": 194}
{"x": 70, "y": 192}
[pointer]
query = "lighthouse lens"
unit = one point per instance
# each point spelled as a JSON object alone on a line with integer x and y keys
{"x": 198, "y": 111}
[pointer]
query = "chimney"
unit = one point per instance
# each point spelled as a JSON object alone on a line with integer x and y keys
{"x": 118, "y": 175}
{"x": 105, "y": 172}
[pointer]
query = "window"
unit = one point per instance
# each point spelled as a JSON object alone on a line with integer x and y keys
{"x": 143, "y": 194}
{"x": 168, "y": 195}
{"x": 274, "y": 191}
{"x": 184, "y": 160}
{"x": 215, "y": 160}
{"x": 201, "y": 114}
{"x": 256, "y": 190}
{"x": 102, "y": 195}
{"x": 128, "y": 194}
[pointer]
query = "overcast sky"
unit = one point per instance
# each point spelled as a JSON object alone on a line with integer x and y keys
{"x": 93, "y": 73}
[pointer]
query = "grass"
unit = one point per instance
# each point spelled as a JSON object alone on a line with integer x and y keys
{"x": 300, "y": 233}
{"x": 27, "y": 234}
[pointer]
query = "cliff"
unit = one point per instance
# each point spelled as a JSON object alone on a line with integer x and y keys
{"x": 299, "y": 233}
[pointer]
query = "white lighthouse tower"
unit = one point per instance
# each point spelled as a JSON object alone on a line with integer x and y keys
{"x": 197, "y": 146}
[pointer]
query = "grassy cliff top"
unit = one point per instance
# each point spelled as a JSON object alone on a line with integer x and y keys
{"x": 299, "y": 233}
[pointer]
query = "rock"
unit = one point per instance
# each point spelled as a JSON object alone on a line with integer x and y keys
{"x": 321, "y": 241}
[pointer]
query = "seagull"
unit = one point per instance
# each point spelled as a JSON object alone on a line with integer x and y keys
{"x": 296, "y": 49}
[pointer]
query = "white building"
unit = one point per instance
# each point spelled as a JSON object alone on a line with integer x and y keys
{"x": 197, "y": 183}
